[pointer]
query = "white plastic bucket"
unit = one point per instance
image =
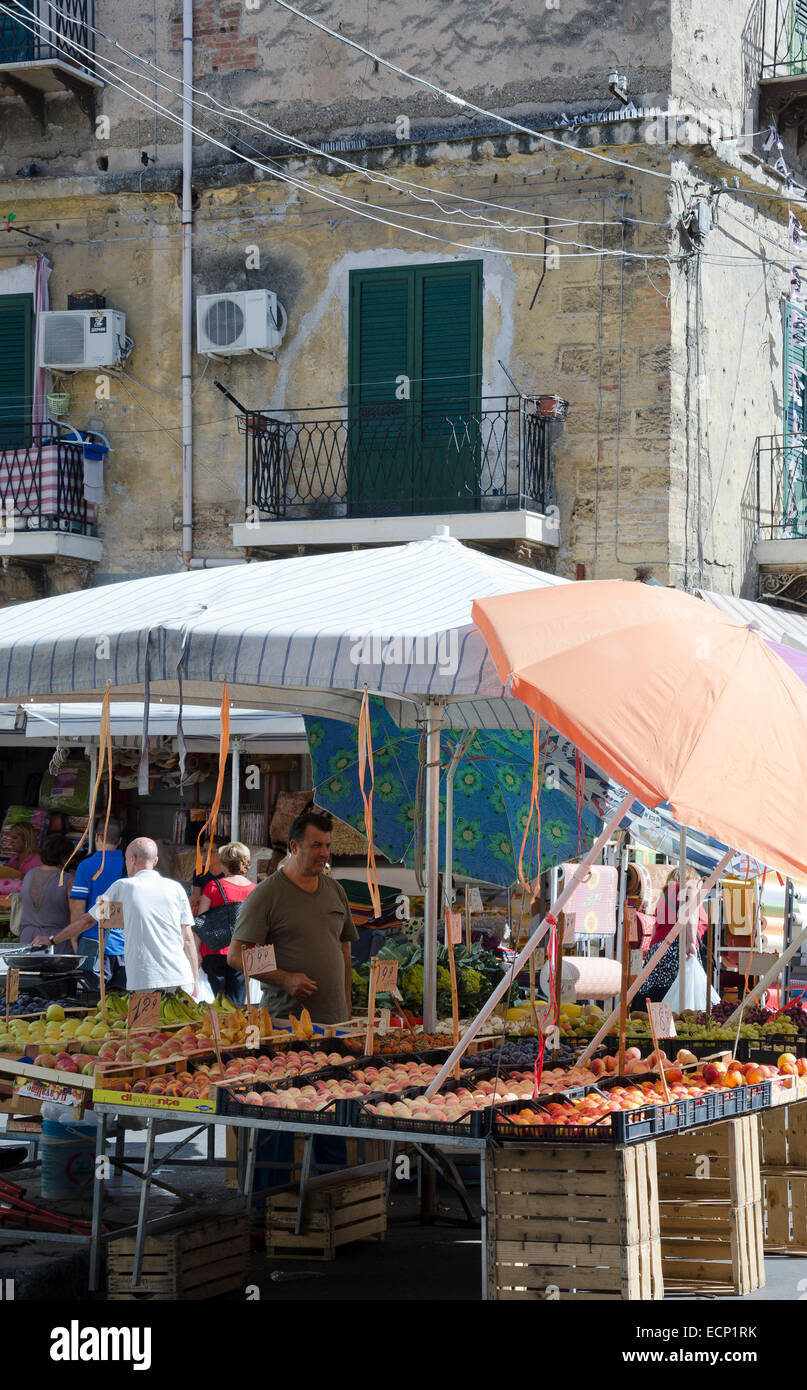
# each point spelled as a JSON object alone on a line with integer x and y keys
{"x": 68, "y": 1159}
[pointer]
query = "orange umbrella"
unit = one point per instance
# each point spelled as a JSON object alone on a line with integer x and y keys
{"x": 677, "y": 701}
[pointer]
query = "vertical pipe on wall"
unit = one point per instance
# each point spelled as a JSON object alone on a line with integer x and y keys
{"x": 235, "y": 796}
{"x": 187, "y": 282}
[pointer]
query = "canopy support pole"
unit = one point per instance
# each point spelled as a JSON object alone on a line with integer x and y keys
{"x": 647, "y": 970}
{"x": 434, "y": 720}
{"x": 543, "y": 927}
{"x": 770, "y": 975}
{"x": 235, "y": 793}
{"x": 682, "y": 940}
{"x": 92, "y": 754}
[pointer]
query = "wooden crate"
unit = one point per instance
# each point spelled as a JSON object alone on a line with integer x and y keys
{"x": 194, "y": 1260}
{"x": 710, "y": 1208}
{"x": 784, "y": 1176}
{"x": 339, "y": 1208}
{"x": 573, "y": 1223}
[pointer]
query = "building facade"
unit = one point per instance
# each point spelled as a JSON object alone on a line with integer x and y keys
{"x": 553, "y": 309}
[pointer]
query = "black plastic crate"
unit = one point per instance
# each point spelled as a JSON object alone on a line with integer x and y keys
{"x": 769, "y": 1048}
{"x": 626, "y": 1127}
{"x": 337, "y": 1112}
{"x": 477, "y": 1126}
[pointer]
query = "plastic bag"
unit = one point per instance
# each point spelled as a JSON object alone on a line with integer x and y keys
{"x": 694, "y": 990}
{"x": 204, "y": 994}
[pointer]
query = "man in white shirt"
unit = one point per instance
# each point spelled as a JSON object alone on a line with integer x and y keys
{"x": 159, "y": 951}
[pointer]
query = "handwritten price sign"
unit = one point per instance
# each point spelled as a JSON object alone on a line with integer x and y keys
{"x": 660, "y": 1016}
{"x": 386, "y": 975}
{"x": 111, "y": 914}
{"x": 144, "y": 1008}
{"x": 453, "y": 928}
{"x": 258, "y": 959}
{"x": 12, "y": 987}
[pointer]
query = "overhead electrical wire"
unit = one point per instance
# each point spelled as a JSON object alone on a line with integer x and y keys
{"x": 339, "y": 200}
{"x": 244, "y": 117}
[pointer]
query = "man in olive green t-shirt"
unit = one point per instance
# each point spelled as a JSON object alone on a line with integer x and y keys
{"x": 306, "y": 917}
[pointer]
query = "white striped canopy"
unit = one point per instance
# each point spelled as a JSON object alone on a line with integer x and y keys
{"x": 259, "y": 730}
{"x": 302, "y": 634}
{"x": 777, "y": 624}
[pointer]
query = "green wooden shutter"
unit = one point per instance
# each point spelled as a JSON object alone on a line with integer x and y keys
{"x": 17, "y": 41}
{"x": 414, "y": 381}
{"x": 797, "y": 37}
{"x": 16, "y": 369}
{"x": 794, "y": 450}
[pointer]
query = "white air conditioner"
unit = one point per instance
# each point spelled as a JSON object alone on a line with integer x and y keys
{"x": 76, "y": 340}
{"x": 245, "y": 321}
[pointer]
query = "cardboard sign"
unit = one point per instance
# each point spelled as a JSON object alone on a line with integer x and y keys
{"x": 144, "y": 1008}
{"x": 258, "y": 959}
{"x": 111, "y": 914}
{"x": 591, "y": 908}
{"x": 386, "y": 975}
{"x": 454, "y": 928}
{"x": 12, "y": 987}
{"x": 30, "y": 1087}
{"x": 636, "y": 962}
{"x": 661, "y": 1018}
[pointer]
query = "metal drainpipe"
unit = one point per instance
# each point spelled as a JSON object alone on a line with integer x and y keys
{"x": 187, "y": 284}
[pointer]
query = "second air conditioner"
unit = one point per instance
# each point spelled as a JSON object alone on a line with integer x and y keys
{"x": 228, "y": 325}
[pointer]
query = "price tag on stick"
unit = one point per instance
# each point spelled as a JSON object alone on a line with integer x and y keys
{"x": 256, "y": 960}
{"x": 215, "y": 1032}
{"x": 383, "y": 979}
{"x": 661, "y": 1025}
{"x": 144, "y": 1009}
{"x": 12, "y": 989}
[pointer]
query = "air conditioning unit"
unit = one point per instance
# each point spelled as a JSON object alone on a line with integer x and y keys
{"x": 228, "y": 325}
{"x": 77, "y": 340}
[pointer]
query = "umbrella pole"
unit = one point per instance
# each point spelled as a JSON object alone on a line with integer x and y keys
{"x": 235, "y": 788}
{"x": 650, "y": 966}
{"x": 434, "y": 719}
{"x": 521, "y": 960}
{"x": 682, "y": 940}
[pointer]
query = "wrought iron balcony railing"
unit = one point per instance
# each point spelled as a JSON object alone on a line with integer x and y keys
{"x": 783, "y": 36}
{"x": 51, "y": 29}
{"x": 781, "y": 487}
{"x": 42, "y": 478}
{"x": 400, "y": 458}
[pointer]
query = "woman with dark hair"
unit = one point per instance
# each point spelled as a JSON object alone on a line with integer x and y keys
{"x": 46, "y": 901}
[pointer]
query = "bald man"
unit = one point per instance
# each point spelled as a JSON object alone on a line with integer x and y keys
{"x": 159, "y": 951}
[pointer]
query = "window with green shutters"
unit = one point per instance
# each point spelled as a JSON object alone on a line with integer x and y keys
{"x": 797, "y": 37}
{"x": 16, "y": 369}
{"x": 794, "y": 452}
{"x": 414, "y": 376}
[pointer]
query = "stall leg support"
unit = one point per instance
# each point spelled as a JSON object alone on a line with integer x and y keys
{"x": 148, "y": 1163}
{"x": 305, "y": 1169}
{"x": 97, "y": 1203}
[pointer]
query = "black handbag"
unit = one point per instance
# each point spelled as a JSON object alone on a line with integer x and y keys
{"x": 215, "y": 928}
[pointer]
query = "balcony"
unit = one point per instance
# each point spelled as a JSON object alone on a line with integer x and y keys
{"x": 384, "y": 472}
{"x": 44, "y": 509}
{"x": 783, "y": 69}
{"x": 45, "y": 50}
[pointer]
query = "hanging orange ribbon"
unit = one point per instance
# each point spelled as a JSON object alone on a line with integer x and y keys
{"x": 104, "y": 744}
{"x": 534, "y": 803}
{"x": 224, "y": 748}
{"x": 365, "y": 749}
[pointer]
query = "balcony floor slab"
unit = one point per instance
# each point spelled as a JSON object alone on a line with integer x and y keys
{"x": 491, "y": 527}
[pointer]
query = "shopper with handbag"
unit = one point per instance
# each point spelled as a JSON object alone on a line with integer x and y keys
{"x": 214, "y": 926}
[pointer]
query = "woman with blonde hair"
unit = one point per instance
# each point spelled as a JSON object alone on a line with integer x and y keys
{"x": 231, "y": 886}
{"x": 23, "y": 838}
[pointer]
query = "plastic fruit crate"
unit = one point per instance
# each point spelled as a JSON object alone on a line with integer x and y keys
{"x": 476, "y": 1126}
{"x": 626, "y": 1127}
{"x": 340, "y": 1111}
